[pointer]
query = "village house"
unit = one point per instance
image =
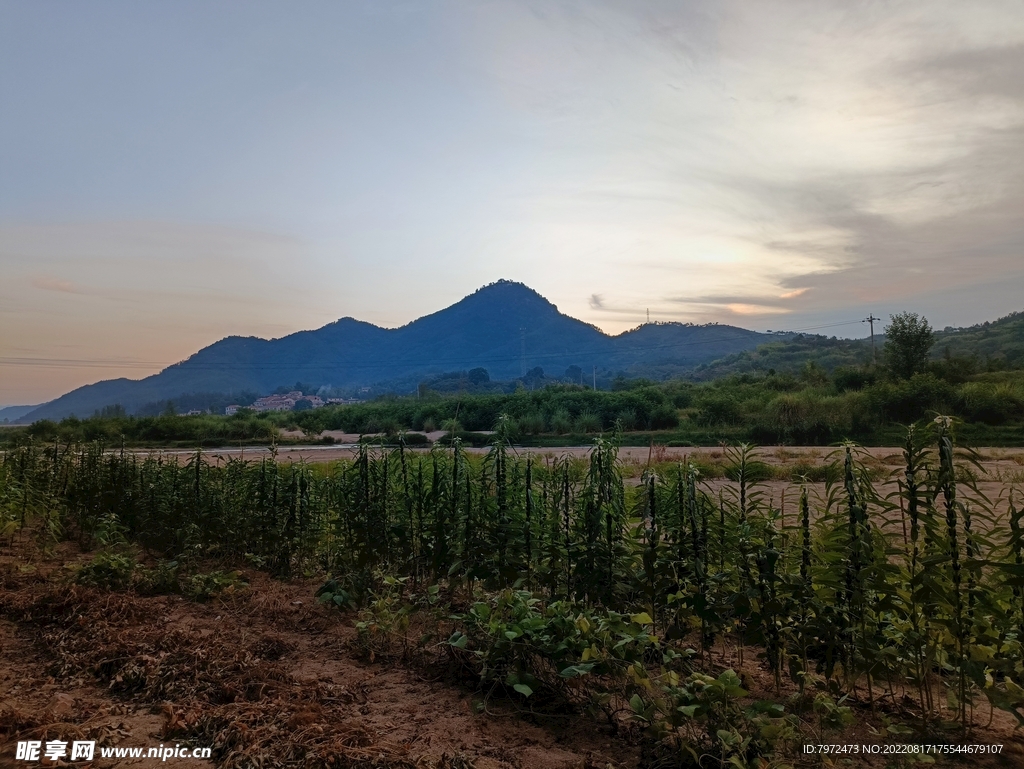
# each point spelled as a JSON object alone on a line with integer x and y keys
{"x": 285, "y": 402}
{"x": 279, "y": 402}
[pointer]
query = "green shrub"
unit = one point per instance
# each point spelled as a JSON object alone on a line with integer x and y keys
{"x": 476, "y": 440}
{"x": 709, "y": 712}
{"x": 203, "y": 587}
{"x": 159, "y": 581}
{"x": 664, "y": 417}
{"x": 991, "y": 404}
{"x": 681, "y": 395}
{"x": 108, "y": 570}
{"x": 532, "y": 423}
{"x": 627, "y": 419}
{"x": 516, "y": 640}
{"x": 588, "y": 422}
{"x": 561, "y": 422}
{"x": 382, "y": 626}
{"x": 912, "y": 399}
{"x": 350, "y": 590}
{"x": 718, "y": 409}
{"x": 803, "y": 418}
{"x": 853, "y": 378}
{"x": 827, "y": 472}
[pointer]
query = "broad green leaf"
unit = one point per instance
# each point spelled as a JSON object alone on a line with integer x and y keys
{"x": 458, "y": 640}
{"x": 637, "y": 705}
{"x": 575, "y": 671}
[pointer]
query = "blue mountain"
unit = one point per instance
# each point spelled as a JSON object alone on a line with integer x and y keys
{"x": 500, "y": 327}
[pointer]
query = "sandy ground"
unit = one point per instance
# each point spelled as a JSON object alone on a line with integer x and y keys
{"x": 345, "y": 447}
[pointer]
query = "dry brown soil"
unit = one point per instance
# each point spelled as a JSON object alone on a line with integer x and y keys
{"x": 265, "y": 675}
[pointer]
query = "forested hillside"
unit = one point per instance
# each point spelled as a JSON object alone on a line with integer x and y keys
{"x": 505, "y": 327}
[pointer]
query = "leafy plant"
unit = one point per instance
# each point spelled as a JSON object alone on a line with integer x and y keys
{"x": 203, "y": 587}
{"x": 110, "y": 570}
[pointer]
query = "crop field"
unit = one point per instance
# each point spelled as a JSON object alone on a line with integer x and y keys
{"x": 513, "y": 608}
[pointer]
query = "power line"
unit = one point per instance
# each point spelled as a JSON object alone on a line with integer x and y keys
{"x": 81, "y": 362}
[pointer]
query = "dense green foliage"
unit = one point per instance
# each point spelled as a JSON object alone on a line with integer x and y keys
{"x": 787, "y": 355}
{"x": 157, "y": 430}
{"x": 996, "y": 344}
{"x": 835, "y": 394}
{"x": 812, "y": 407}
{"x": 956, "y": 352}
{"x": 575, "y": 585}
{"x": 908, "y": 342}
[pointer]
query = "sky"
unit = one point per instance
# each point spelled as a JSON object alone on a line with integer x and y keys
{"x": 175, "y": 172}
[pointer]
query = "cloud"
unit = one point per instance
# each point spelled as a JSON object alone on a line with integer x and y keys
{"x": 48, "y": 283}
{"x": 782, "y": 156}
{"x": 992, "y": 70}
{"x": 936, "y": 204}
{"x": 748, "y": 302}
{"x": 739, "y": 308}
{"x": 711, "y": 160}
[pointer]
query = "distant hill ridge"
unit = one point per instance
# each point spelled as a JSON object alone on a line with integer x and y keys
{"x": 14, "y": 413}
{"x": 490, "y": 328}
{"x": 992, "y": 345}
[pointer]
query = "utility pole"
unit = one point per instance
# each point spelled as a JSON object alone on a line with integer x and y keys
{"x": 595, "y": 378}
{"x": 870, "y": 320}
{"x": 648, "y": 316}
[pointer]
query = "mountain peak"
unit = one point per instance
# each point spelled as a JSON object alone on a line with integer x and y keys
{"x": 504, "y": 289}
{"x": 510, "y": 292}
{"x": 504, "y": 284}
{"x": 505, "y": 327}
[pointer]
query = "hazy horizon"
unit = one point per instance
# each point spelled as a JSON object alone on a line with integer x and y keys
{"x": 827, "y": 329}
{"x": 176, "y": 173}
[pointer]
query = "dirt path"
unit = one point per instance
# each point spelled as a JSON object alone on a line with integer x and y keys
{"x": 1007, "y": 461}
